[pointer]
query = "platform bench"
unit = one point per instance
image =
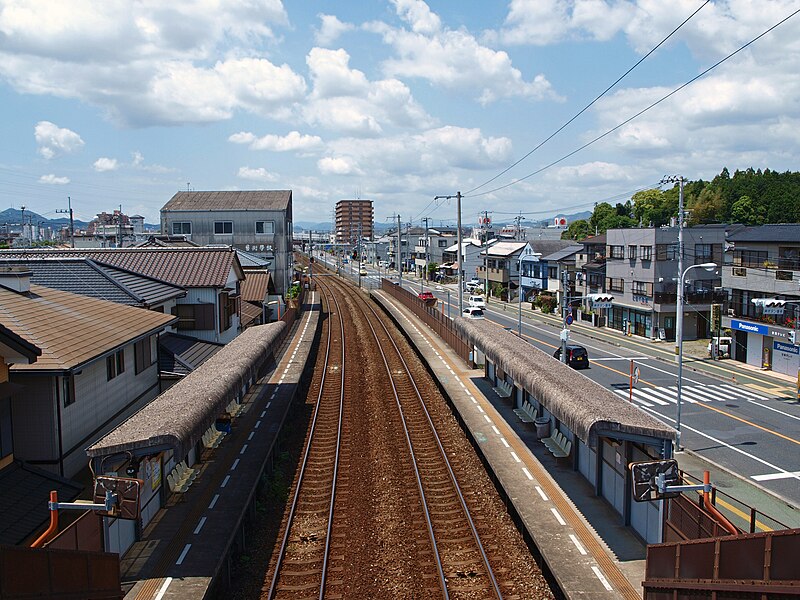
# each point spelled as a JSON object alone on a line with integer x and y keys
{"x": 504, "y": 389}
{"x": 526, "y": 414}
{"x": 558, "y": 445}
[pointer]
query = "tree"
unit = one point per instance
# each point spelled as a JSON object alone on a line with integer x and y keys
{"x": 706, "y": 207}
{"x": 747, "y": 212}
{"x": 607, "y": 217}
{"x": 577, "y": 230}
{"x": 645, "y": 205}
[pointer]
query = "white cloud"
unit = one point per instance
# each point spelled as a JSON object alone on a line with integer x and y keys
{"x": 344, "y": 100}
{"x": 330, "y": 29}
{"x": 53, "y": 180}
{"x": 292, "y": 141}
{"x": 136, "y": 158}
{"x": 592, "y": 173}
{"x": 54, "y": 141}
{"x": 147, "y": 63}
{"x": 454, "y": 59}
{"x": 260, "y": 174}
{"x": 106, "y": 164}
{"x": 338, "y": 166}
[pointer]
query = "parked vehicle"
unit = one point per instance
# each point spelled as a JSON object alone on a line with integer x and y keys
{"x": 473, "y": 284}
{"x": 477, "y": 301}
{"x": 363, "y": 272}
{"x": 472, "y": 312}
{"x": 577, "y": 356}
{"x": 428, "y": 298}
{"x": 723, "y": 346}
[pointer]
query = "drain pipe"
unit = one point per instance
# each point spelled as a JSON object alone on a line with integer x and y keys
{"x": 53, "y": 522}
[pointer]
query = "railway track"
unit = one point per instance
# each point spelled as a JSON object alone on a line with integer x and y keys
{"x": 377, "y": 508}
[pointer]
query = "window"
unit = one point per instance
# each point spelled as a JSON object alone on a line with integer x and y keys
{"x": 667, "y": 251}
{"x": 750, "y": 258}
{"x": 442, "y": 243}
{"x": 703, "y": 253}
{"x": 642, "y": 288}
{"x": 115, "y": 364}
{"x": 265, "y": 227}
{"x": 143, "y": 355}
{"x": 223, "y": 227}
{"x": 617, "y": 252}
{"x": 182, "y": 228}
{"x": 194, "y": 316}
{"x": 66, "y": 389}
{"x": 614, "y": 284}
{"x": 646, "y": 252}
{"x": 632, "y": 252}
{"x": 788, "y": 258}
{"x": 227, "y": 308}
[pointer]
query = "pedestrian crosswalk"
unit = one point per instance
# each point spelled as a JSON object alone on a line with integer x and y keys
{"x": 664, "y": 395}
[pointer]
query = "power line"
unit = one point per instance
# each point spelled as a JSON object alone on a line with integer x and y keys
{"x": 641, "y": 112}
{"x": 588, "y": 106}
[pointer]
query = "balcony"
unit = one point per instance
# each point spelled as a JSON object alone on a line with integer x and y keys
{"x": 691, "y": 297}
{"x": 498, "y": 275}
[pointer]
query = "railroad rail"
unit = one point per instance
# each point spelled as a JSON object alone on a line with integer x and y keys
{"x": 302, "y": 560}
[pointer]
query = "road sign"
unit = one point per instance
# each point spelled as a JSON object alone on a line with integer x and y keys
{"x": 569, "y": 319}
{"x": 635, "y": 375}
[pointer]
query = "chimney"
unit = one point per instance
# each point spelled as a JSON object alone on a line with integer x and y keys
{"x": 17, "y": 279}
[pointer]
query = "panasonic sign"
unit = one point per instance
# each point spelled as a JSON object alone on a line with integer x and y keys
{"x": 749, "y": 327}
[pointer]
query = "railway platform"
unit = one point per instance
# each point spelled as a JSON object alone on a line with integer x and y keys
{"x": 580, "y": 539}
{"x": 186, "y": 551}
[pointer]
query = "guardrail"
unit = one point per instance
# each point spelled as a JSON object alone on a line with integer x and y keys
{"x": 433, "y": 318}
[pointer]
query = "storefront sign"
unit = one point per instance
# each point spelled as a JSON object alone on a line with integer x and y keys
{"x": 737, "y": 325}
{"x": 781, "y": 347}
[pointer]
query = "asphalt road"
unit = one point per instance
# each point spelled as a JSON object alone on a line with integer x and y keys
{"x": 744, "y": 421}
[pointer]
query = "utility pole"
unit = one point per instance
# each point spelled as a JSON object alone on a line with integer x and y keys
{"x": 311, "y": 255}
{"x": 425, "y": 268}
{"x": 679, "y": 303}
{"x": 22, "y": 218}
{"x": 460, "y": 251}
{"x": 564, "y": 313}
{"x": 518, "y": 235}
{"x": 71, "y": 220}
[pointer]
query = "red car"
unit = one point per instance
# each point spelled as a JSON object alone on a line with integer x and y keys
{"x": 428, "y": 298}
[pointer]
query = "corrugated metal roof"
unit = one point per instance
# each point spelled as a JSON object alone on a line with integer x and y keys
{"x": 563, "y": 253}
{"x": 504, "y": 248}
{"x": 184, "y": 267}
{"x": 72, "y": 329}
{"x": 250, "y": 313}
{"x": 255, "y": 286}
{"x": 82, "y": 275}
{"x": 183, "y": 354}
{"x": 231, "y": 200}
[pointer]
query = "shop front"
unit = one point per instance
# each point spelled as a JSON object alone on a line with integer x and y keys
{"x": 764, "y": 346}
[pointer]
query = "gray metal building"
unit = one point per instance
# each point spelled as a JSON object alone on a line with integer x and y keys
{"x": 258, "y": 222}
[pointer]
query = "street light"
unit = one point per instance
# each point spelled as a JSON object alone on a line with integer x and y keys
{"x": 709, "y": 266}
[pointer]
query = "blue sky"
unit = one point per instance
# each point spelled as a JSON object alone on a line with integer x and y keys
{"x": 118, "y": 102}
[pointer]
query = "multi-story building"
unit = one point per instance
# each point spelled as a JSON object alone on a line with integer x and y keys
{"x": 354, "y": 221}
{"x": 763, "y": 263}
{"x": 501, "y": 264}
{"x": 642, "y": 275}
{"x": 258, "y": 221}
{"x": 470, "y": 254}
{"x": 430, "y": 248}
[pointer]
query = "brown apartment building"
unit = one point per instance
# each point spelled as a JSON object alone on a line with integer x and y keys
{"x": 354, "y": 218}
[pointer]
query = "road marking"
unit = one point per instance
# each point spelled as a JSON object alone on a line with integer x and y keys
{"x": 505, "y": 443}
{"x": 225, "y": 481}
{"x": 258, "y": 424}
{"x": 243, "y": 450}
{"x": 235, "y": 464}
{"x": 214, "y": 501}
{"x": 183, "y": 554}
{"x": 269, "y": 404}
{"x": 250, "y": 437}
{"x": 480, "y": 409}
{"x": 488, "y": 420}
{"x": 495, "y": 429}
{"x": 602, "y": 579}
{"x": 163, "y": 589}
{"x": 527, "y": 473}
{"x": 558, "y": 516}
{"x": 577, "y": 544}
{"x": 541, "y": 493}
{"x": 515, "y": 457}
{"x": 773, "y": 476}
{"x": 263, "y": 412}
{"x": 200, "y": 525}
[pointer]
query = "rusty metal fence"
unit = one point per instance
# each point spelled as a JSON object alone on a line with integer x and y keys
{"x": 760, "y": 565}
{"x": 433, "y": 318}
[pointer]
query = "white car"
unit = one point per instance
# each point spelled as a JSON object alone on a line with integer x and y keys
{"x": 473, "y": 284}
{"x": 724, "y": 346}
{"x": 477, "y": 301}
{"x": 472, "y": 312}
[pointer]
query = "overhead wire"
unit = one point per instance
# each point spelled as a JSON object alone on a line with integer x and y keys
{"x": 641, "y": 112}
{"x": 588, "y": 106}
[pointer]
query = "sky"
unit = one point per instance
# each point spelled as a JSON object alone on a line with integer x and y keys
{"x": 113, "y": 103}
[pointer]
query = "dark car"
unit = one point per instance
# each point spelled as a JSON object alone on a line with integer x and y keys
{"x": 577, "y": 356}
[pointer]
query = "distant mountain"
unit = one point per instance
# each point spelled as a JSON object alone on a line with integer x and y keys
{"x": 12, "y": 217}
